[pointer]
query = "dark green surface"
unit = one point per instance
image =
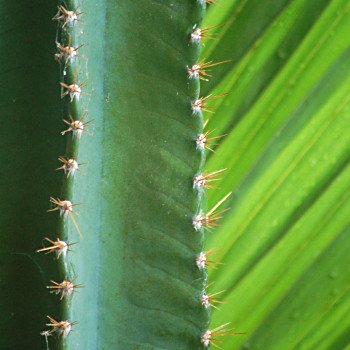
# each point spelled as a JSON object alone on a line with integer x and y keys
{"x": 241, "y": 24}
{"x": 29, "y": 145}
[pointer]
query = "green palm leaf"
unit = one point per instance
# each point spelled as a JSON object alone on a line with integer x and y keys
{"x": 285, "y": 240}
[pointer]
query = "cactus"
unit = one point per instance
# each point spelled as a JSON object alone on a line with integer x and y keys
{"x": 106, "y": 140}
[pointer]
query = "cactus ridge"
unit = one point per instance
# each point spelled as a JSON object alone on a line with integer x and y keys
{"x": 207, "y": 220}
{"x": 74, "y": 111}
{"x": 198, "y": 106}
{"x": 73, "y": 88}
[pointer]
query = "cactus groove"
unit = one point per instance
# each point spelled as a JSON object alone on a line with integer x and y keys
{"x": 123, "y": 76}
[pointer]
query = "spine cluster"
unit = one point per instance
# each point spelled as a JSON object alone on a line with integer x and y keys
{"x": 206, "y": 221}
{"x": 76, "y": 125}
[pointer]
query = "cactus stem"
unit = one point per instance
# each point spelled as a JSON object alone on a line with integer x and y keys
{"x": 66, "y": 54}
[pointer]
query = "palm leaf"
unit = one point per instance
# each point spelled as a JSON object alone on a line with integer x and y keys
{"x": 285, "y": 240}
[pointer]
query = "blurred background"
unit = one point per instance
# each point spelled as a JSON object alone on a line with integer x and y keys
{"x": 285, "y": 240}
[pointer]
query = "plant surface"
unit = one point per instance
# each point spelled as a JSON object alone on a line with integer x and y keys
{"x": 279, "y": 259}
